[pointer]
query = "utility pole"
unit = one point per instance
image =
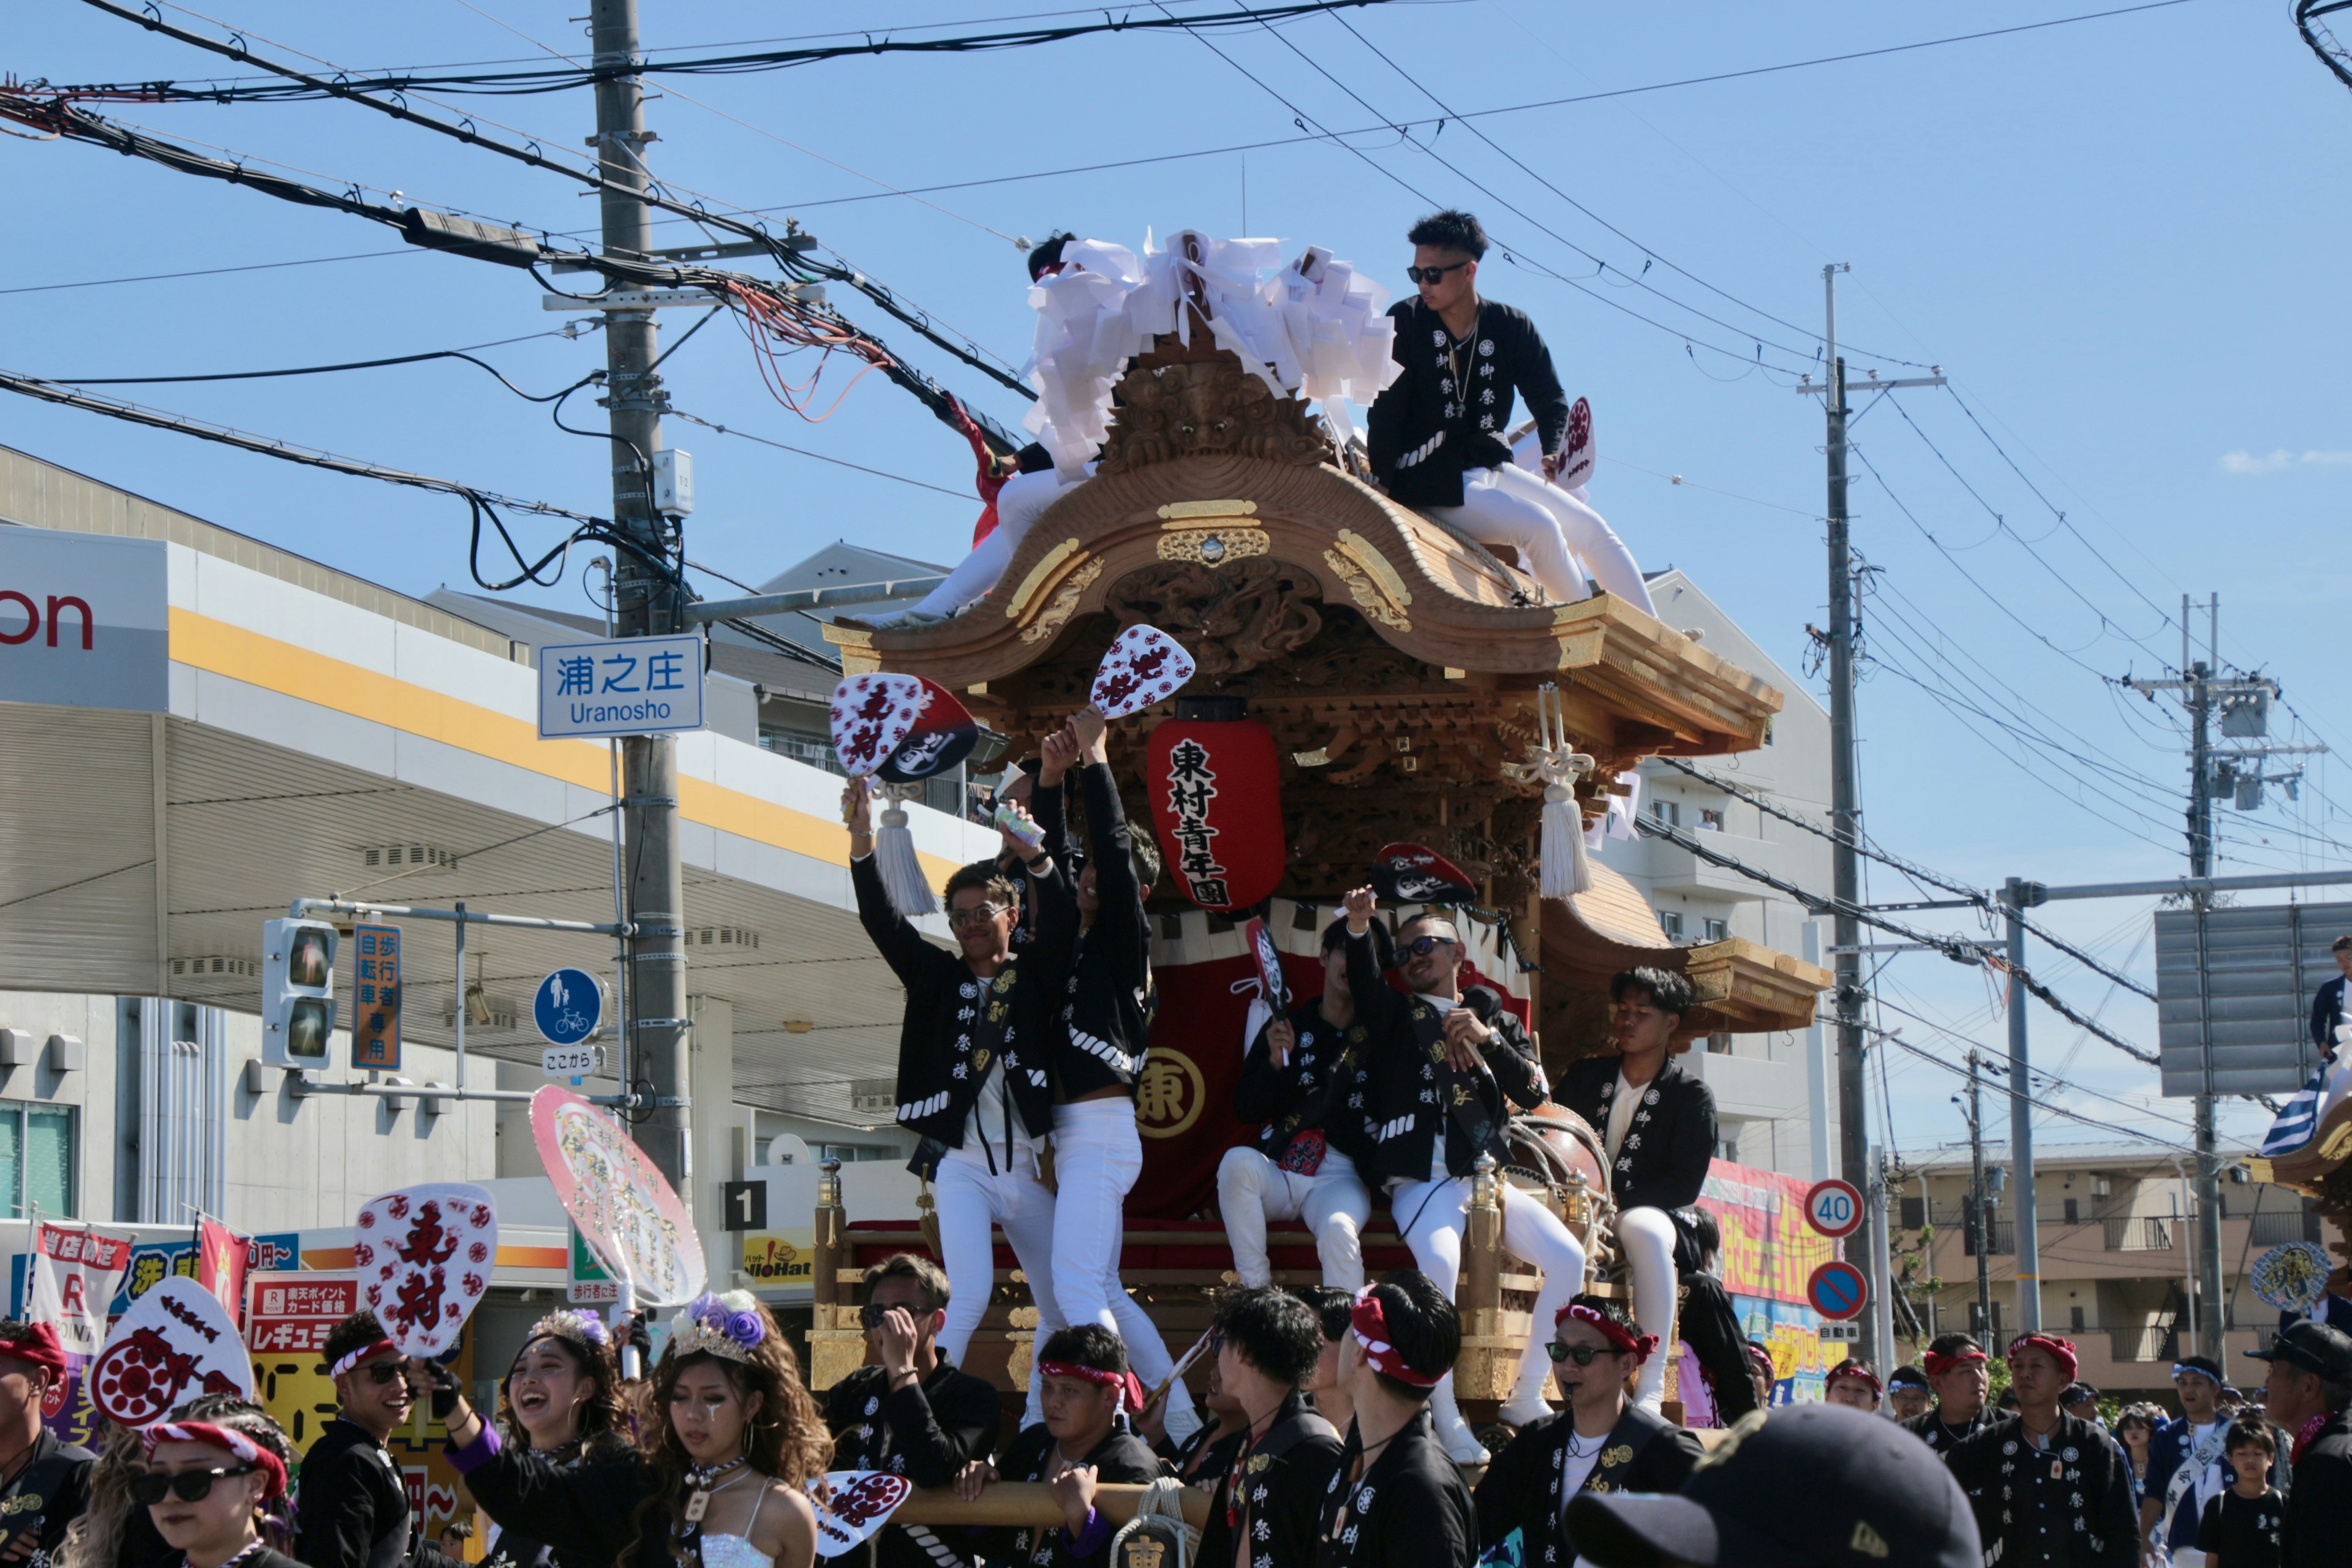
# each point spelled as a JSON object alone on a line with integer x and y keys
{"x": 647, "y": 604}
{"x": 2014, "y": 896}
{"x": 1845, "y": 807}
{"x": 1980, "y": 1231}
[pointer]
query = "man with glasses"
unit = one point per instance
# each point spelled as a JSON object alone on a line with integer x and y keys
{"x": 1657, "y": 1124}
{"x": 1437, "y": 434}
{"x": 973, "y": 1058}
{"x": 1602, "y": 1442}
{"x": 354, "y": 1510}
{"x": 1446, "y": 1067}
{"x": 910, "y": 1410}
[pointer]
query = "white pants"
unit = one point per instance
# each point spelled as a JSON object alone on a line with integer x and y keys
{"x": 1543, "y": 524}
{"x": 1098, "y": 1154}
{"x": 1253, "y": 1189}
{"x": 1646, "y": 1237}
{"x": 970, "y": 1198}
{"x": 1018, "y": 504}
{"x": 1432, "y": 1216}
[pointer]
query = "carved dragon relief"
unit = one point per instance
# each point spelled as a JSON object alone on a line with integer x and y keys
{"x": 1231, "y": 618}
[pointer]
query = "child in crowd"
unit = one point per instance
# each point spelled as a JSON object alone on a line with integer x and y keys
{"x": 2240, "y": 1525}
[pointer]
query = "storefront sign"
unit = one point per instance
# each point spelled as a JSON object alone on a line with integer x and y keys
{"x": 84, "y": 620}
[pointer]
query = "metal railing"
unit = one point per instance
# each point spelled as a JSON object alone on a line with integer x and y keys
{"x": 2151, "y": 1342}
{"x": 2141, "y": 1233}
{"x": 2269, "y": 1230}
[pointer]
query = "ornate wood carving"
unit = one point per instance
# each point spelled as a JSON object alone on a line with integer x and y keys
{"x": 1231, "y": 619}
{"x": 1063, "y": 604}
{"x": 1214, "y": 546}
{"x": 1207, "y": 408}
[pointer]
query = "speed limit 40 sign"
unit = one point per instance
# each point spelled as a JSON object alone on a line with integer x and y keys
{"x": 1834, "y": 1208}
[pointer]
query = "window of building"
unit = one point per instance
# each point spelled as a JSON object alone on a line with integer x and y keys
{"x": 800, "y": 745}
{"x": 2077, "y": 1320}
{"x": 1671, "y": 922}
{"x": 1913, "y": 1214}
{"x": 2074, "y": 1216}
{"x": 37, "y": 1158}
{"x": 1714, "y": 929}
{"x": 1710, "y": 819}
{"x": 1669, "y": 812}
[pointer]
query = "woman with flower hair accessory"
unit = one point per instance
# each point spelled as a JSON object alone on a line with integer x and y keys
{"x": 561, "y": 1398}
{"x": 719, "y": 1482}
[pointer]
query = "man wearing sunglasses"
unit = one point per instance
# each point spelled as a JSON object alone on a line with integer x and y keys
{"x": 908, "y": 1410}
{"x": 1446, "y": 1067}
{"x": 1437, "y": 435}
{"x": 354, "y": 1511}
{"x": 1602, "y": 1442}
{"x": 47, "y": 1481}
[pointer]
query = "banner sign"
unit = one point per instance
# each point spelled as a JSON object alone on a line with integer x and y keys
{"x": 292, "y": 1313}
{"x": 84, "y": 620}
{"x": 75, "y": 1275}
{"x": 1770, "y": 1250}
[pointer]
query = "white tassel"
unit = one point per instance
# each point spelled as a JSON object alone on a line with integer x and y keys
{"x": 895, "y": 859}
{"x": 1566, "y": 869}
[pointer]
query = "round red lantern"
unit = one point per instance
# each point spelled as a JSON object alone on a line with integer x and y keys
{"x": 1216, "y": 800}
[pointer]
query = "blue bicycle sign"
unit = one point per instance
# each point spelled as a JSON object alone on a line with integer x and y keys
{"x": 568, "y": 1006}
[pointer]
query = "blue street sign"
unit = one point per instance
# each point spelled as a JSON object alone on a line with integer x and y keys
{"x": 632, "y": 686}
{"x": 1837, "y": 1291}
{"x": 567, "y": 1008}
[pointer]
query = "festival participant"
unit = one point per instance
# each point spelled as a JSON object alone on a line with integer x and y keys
{"x": 1083, "y": 1441}
{"x": 1098, "y": 1045}
{"x": 1602, "y": 1442}
{"x": 1762, "y": 1373}
{"x": 2187, "y": 1468}
{"x": 206, "y": 1487}
{"x": 1908, "y": 1392}
{"x": 1293, "y": 1085}
{"x": 1333, "y": 1310}
{"x": 2241, "y": 1528}
{"x": 1270, "y": 1492}
{"x": 1852, "y": 1384}
{"x": 1394, "y": 1499}
{"x": 1808, "y": 1487}
{"x": 1446, "y": 1066}
{"x": 354, "y": 1509}
{"x": 972, "y": 1059}
{"x": 910, "y": 1410}
{"x": 1437, "y": 433}
{"x": 46, "y": 1478}
{"x": 1960, "y": 1373}
{"x": 561, "y": 1397}
{"x": 719, "y": 1482}
{"x": 1657, "y": 1124}
{"x": 1709, "y": 1324}
{"x": 1197, "y": 1460}
{"x": 2048, "y": 1488}
{"x": 2309, "y": 1397}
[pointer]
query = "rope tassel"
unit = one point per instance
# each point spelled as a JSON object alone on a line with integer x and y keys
{"x": 894, "y": 855}
{"x": 1552, "y": 761}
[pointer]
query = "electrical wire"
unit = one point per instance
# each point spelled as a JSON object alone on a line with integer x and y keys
{"x": 820, "y": 457}
{"x": 207, "y": 271}
{"x": 348, "y": 364}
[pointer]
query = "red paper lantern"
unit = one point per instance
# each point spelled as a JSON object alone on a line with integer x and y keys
{"x": 1216, "y": 800}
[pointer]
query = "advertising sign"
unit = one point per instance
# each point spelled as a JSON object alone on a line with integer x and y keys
{"x": 84, "y": 620}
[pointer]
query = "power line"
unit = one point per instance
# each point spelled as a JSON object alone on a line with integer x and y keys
{"x": 207, "y": 271}
{"x": 348, "y": 364}
{"x": 820, "y": 457}
{"x": 1929, "y": 1056}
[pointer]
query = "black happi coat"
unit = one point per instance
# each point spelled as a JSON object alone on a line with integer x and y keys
{"x": 1414, "y": 1097}
{"x": 1424, "y": 431}
{"x": 1203, "y": 1454}
{"x": 520, "y": 1549}
{"x": 352, "y": 1510}
{"x": 2066, "y": 1506}
{"x": 1122, "y": 1457}
{"x": 1929, "y": 1427}
{"x": 1273, "y": 1492}
{"x": 957, "y": 1025}
{"x": 1662, "y": 1162}
{"x": 1104, "y": 1023}
{"x": 1409, "y": 1509}
{"x": 1320, "y": 1089}
{"x": 2319, "y": 1504}
{"x": 1643, "y": 1453}
{"x": 50, "y": 1490}
{"x": 926, "y": 1431}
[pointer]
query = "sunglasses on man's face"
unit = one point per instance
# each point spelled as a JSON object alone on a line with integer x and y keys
{"x": 978, "y": 915}
{"x": 188, "y": 1486}
{"x": 870, "y": 1315}
{"x": 1423, "y": 946}
{"x": 1583, "y": 1355}
{"x": 1432, "y": 274}
{"x": 383, "y": 1372}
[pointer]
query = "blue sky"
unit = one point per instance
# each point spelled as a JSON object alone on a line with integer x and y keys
{"x": 2122, "y": 238}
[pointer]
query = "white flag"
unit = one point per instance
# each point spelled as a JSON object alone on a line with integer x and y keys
{"x": 76, "y": 1273}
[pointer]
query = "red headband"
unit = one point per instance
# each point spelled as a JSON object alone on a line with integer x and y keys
{"x": 2061, "y": 1351}
{"x": 1126, "y": 1382}
{"x": 1610, "y": 1329}
{"x": 228, "y": 1438}
{"x": 364, "y": 1353}
{"x": 1854, "y": 1369}
{"x": 38, "y": 1345}
{"x": 1938, "y": 1365}
{"x": 1371, "y": 1326}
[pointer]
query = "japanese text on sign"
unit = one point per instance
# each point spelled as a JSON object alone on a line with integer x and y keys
{"x": 294, "y": 1316}
{"x": 632, "y": 686}
{"x": 375, "y": 997}
{"x": 1191, "y": 785}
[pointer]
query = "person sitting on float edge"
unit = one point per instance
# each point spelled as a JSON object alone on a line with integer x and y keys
{"x": 1394, "y": 1499}
{"x": 1657, "y": 1124}
{"x": 47, "y": 1478}
{"x": 1907, "y": 1394}
{"x": 1269, "y": 1492}
{"x": 1446, "y": 1067}
{"x": 972, "y": 1058}
{"x": 1852, "y": 1384}
{"x": 354, "y": 1503}
{"x": 2309, "y": 1397}
{"x": 1295, "y": 1085}
{"x": 1808, "y": 1485}
{"x": 1960, "y": 1373}
{"x": 1096, "y": 1040}
{"x": 1083, "y": 1441}
{"x": 1332, "y": 1309}
{"x": 1602, "y": 1442}
{"x": 2048, "y": 1489}
{"x": 1437, "y": 435}
{"x": 910, "y": 1410}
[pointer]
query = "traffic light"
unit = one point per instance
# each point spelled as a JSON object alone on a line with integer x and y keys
{"x": 298, "y": 993}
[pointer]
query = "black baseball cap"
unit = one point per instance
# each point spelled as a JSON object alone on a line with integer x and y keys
{"x": 2313, "y": 1346}
{"x": 1876, "y": 1497}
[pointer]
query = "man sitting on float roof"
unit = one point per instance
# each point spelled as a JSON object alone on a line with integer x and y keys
{"x": 1437, "y": 434}
{"x": 1657, "y": 1124}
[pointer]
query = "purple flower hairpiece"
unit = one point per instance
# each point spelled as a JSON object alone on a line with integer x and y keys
{"x": 731, "y": 1326}
{"x": 571, "y": 1323}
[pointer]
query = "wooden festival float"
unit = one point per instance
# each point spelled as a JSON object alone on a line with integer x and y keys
{"x": 1399, "y": 667}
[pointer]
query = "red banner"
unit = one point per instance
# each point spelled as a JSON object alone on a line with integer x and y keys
{"x": 221, "y": 1255}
